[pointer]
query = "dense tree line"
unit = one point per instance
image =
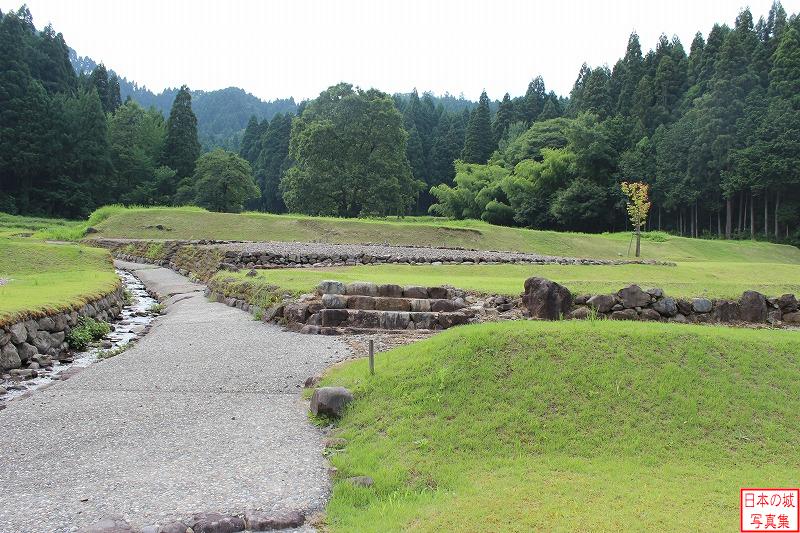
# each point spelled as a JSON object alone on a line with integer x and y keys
{"x": 714, "y": 132}
{"x": 68, "y": 144}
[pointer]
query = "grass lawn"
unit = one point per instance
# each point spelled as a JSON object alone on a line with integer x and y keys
{"x": 13, "y": 225}
{"x": 716, "y": 280}
{"x": 47, "y": 277}
{"x": 194, "y": 223}
{"x": 568, "y": 426}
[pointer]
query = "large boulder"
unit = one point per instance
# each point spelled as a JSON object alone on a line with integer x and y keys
{"x": 392, "y": 304}
{"x": 420, "y": 305}
{"x": 448, "y": 320}
{"x": 263, "y": 521}
{"x": 27, "y": 352}
{"x": 215, "y": 523}
{"x": 330, "y": 401}
{"x": 579, "y": 313}
{"x": 792, "y": 318}
{"x": 366, "y": 319}
{"x": 439, "y": 293}
{"x": 9, "y": 357}
{"x": 296, "y": 312}
{"x": 666, "y": 306}
{"x": 633, "y": 296}
{"x": 414, "y": 291}
{"x": 701, "y": 305}
{"x": 396, "y": 320}
{"x": 625, "y": 314}
{"x": 727, "y": 311}
{"x": 788, "y": 303}
{"x": 333, "y": 317}
{"x": 602, "y": 302}
{"x": 753, "y": 307}
{"x": 334, "y": 301}
{"x": 425, "y": 320}
{"x": 19, "y": 333}
{"x": 360, "y": 302}
{"x": 362, "y": 288}
{"x": 390, "y": 291}
{"x": 649, "y": 314}
{"x": 331, "y": 287}
{"x": 444, "y": 306}
{"x": 546, "y": 299}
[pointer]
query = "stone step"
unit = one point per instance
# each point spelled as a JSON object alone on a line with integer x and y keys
{"x": 361, "y": 288}
{"x": 319, "y": 330}
{"x": 388, "y": 303}
{"x": 388, "y": 320}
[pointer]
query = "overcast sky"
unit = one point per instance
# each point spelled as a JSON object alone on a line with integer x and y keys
{"x": 284, "y": 48}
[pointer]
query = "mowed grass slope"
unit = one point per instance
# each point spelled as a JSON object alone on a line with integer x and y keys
{"x": 193, "y": 223}
{"x": 568, "y": 426}
{"x": 47, "y": 277}
{"x": 15, "y": 225}
{"x": 713, "y": 280}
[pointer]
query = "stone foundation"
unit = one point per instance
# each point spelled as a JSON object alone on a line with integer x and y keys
{"x": 203, "y": 258}
{"x": 634, "y": 303}
{"x": 360, "y": 307}
{"x": 38, "y": 340}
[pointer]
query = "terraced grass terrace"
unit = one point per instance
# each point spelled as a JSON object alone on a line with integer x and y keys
{"x": 709, "y": 279}
{"x": 567, "y": 426}
{"x": 41, "y": 278}
{"x": 194, "y": 223}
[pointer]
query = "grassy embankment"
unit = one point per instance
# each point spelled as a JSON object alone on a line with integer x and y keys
{"x": 20, "y": 226}
{"x": 194, "y": 223}
{"x": 44, "y": 277}
{"x": 568, "y": 426}
{"x": 711, "y": 279}
{"x": 721, "y": 269}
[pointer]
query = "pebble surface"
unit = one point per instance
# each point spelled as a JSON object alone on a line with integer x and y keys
{"x": 202, "y": 415}
{"x": 396, "y": 253}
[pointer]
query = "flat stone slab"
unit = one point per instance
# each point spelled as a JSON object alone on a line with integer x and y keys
{"x": 202, "y": 415}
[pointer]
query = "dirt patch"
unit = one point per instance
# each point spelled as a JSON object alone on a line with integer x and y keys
{"x": 359, "y": 344}
{"x": 460, "y": 231}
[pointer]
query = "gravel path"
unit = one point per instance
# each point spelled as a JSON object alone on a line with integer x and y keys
{"x": 203, "y": 414}
{"x": 395, "y": 253}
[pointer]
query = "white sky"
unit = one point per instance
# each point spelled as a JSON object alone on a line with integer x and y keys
{"x": 281, "y": 48}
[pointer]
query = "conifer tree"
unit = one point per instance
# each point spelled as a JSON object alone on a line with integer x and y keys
{"x": 249, "y": 139}
{"x": 181, "y": 147}
{"x": 114, "y": 98}
{"x": 631, "y": 73}
{"x": 479, "y": 141}
{"x": 504, "y": 118}
{"x": 534, "y": 99}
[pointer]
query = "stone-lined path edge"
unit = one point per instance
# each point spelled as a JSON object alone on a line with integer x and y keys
{"x": 200, "y": 421}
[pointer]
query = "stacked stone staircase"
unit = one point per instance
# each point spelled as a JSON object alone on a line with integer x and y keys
{"x": 369, "y": 308}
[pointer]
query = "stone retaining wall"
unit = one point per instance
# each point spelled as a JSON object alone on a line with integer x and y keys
{"x": 549, "y": 300}
{"x": 204, "y": 257}
{"x": 39, "y": 340}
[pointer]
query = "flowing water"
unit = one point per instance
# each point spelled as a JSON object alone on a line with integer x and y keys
{"x": 135, "y": 317}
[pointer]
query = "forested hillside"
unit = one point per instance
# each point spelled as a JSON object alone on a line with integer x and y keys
{"x": 714, "y": 130}
{"x": 221, "y": 114}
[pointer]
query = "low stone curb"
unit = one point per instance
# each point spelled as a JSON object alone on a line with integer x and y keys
{"x": 206, "y": 523}
{"x": 24, "y": 341}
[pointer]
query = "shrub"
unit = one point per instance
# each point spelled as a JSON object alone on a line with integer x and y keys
{"x": 85, "y": 332}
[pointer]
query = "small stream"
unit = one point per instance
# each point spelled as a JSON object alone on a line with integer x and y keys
{"x": 131, "y": 323}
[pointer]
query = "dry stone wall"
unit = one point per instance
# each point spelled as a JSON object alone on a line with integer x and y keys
{"x": 204, "y": 257}
{"x": 39, "y": 340}
{"x": 548, "y": 300}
